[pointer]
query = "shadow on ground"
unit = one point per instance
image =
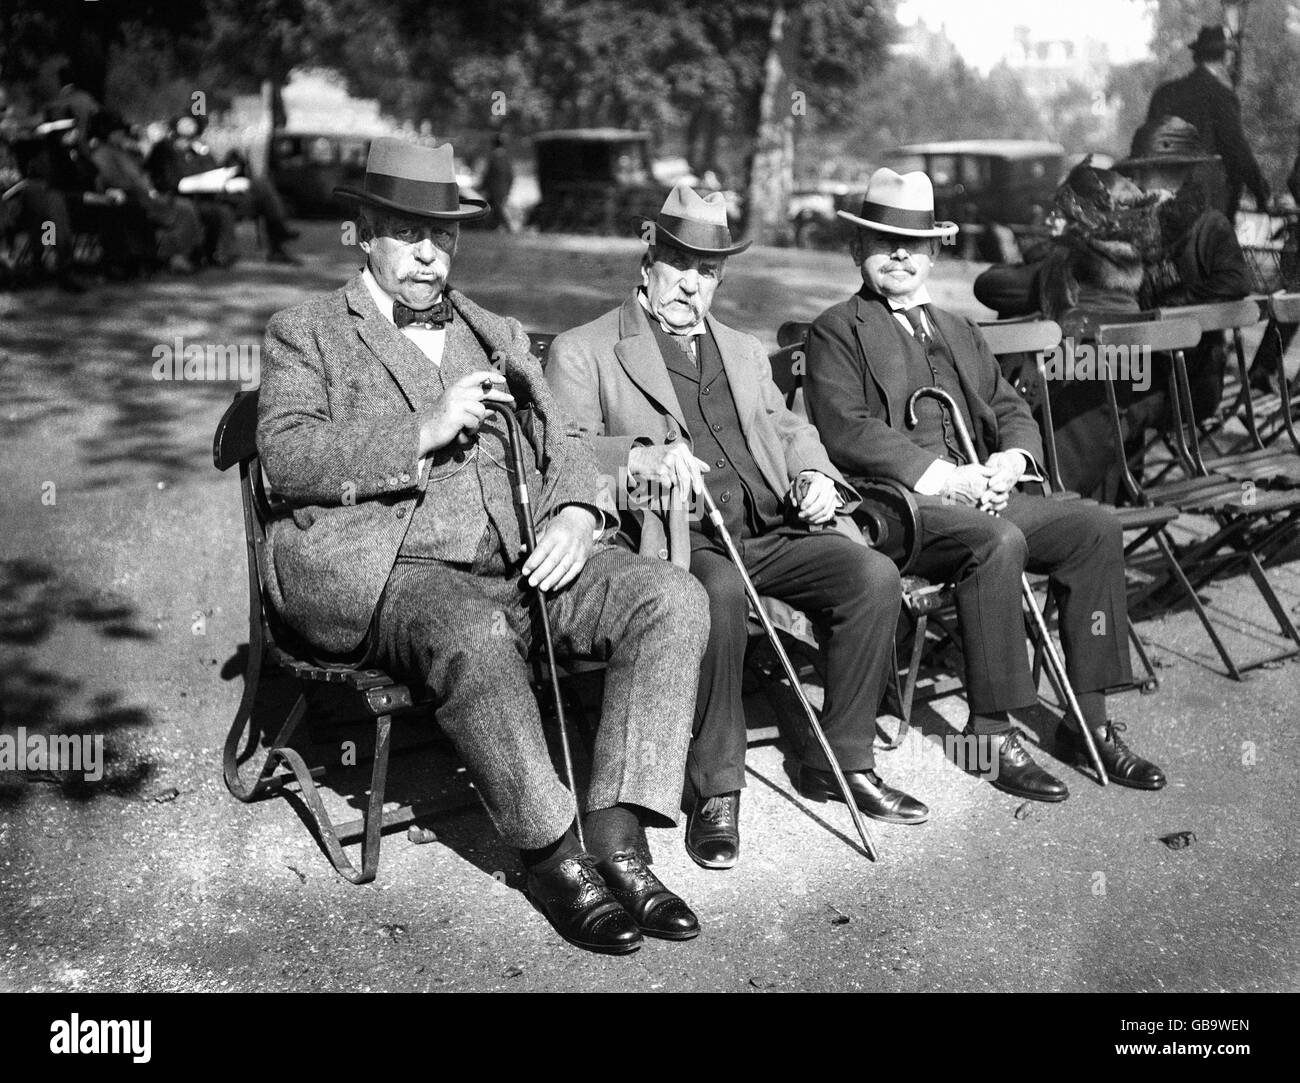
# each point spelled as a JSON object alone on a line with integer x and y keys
{"x": 35, "y": 603}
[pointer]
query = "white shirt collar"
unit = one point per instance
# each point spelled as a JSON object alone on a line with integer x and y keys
{"x": 383, "y": 301}
{"x": 698, "y": 329}
{"x": 920, "y": 297}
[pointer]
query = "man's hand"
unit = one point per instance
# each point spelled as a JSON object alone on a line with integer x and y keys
{"x": 819, "y": 498}
{"x": 669, "y": 465}
{"x": 967, "y": 485}
{"x": 459, "y": 411}
{"x": 1008, "y": 468}
{"x": 563, "y": 549}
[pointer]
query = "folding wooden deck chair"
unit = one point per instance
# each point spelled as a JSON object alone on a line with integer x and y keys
{"x": 1246, "y": 517}
{"x": 1273, "y": 420}
{"x": 1253, "y": 461}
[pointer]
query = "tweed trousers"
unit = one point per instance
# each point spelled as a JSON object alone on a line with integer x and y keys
{"x": 467, "y": 632}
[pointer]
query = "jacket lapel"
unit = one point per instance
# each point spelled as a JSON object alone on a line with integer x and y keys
{"x": 639, "y": 355}
{"x": 884, "y": 351}
{"x": 392, "y": 349}
{"x": 744, "y": 389}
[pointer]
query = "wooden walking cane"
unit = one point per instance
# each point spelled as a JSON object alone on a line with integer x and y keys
{"x": 715, "y": 516}
{"x": 524, "y": 507}
{"x": 1054, "y": 662}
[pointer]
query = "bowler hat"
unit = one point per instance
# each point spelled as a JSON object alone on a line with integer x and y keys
{"x": 693, "y": 223}
{"x": 407, "y": 178}
{"x": 1211, "y": 42}
{"x": 1166, "y": 141}
{"x": 901, "y": 203}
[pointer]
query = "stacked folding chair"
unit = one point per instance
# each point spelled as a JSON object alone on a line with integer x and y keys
{"x": 1247, "y": 517}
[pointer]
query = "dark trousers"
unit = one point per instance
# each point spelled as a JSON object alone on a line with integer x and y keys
{"x": 1079, "y": 546}
{"x": 853, "y": 592}
{"x": 467, "y": 633}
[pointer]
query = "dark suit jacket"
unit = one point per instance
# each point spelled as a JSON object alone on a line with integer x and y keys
{"x": 339, "y": 416}
{"x": 1200, "y": 99}
{"x": 856, "y": 389}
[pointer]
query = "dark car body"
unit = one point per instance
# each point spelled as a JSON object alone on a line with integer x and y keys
{"x": 306, "y": 166}
{"x": 594, "y": 180}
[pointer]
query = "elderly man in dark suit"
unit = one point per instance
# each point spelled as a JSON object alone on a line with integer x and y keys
{"x": 1205, "y": 99}
{"x": 866, "y": 356}
{"x": 404, "y": 550}
{"x": 675, "y": 400}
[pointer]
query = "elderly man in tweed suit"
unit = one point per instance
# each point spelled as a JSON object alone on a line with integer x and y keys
{"x": 674, "y": 398}
{"x": 404, "y": 550}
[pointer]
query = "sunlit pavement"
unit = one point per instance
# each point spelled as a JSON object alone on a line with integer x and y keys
{"x": 123, "y": 607}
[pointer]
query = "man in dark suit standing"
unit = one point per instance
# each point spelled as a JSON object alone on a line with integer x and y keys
{"x": 1205, "y": 99}
{"x": 866, "y": 356}
{"x": 404, "y": 550}
{"x": 677, "y": 400}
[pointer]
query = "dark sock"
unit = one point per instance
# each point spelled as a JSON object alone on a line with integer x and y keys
{"x": 1093, "y": 707}
{"x": 609, "y": 830}
{"x": 547, "y": 858}
{"x": 990, "y": 722}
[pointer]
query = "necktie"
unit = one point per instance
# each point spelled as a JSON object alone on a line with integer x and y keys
{"x": 434, "y": 317}
{"x": 919, "y": 332}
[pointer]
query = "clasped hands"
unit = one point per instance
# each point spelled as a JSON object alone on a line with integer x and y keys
{"x": 986, "y": 486}
{"x": 672, "y": 466}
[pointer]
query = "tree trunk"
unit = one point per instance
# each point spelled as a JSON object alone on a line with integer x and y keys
{"x": 771, "y": 177}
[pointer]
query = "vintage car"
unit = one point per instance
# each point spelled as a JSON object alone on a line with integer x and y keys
{"x": 306, "y": 166}
{"x": 998, "y": 190}
{"x": 592, "y": 180}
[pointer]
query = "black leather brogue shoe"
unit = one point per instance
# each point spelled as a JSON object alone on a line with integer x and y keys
{"x": 713, "y": 831}
{"x": 1012, "y": 770}
{"x": 655, "y": 909}
{"x": 583, "y": 909}
{"x": 871, "y": 794}
{"x": 1124, "y": 766}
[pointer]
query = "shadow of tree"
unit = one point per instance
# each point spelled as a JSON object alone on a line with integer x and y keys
{"x": 34, "y": 602}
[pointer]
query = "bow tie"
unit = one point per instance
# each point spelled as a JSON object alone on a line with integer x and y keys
{"x": 434, "y": 317}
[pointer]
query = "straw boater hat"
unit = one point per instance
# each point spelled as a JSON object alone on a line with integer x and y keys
{"x": 410, "y": 179}
{"x": 692, "y": 222}
{"x": 900, "y": 203}
{"x": 1167, "y": 141}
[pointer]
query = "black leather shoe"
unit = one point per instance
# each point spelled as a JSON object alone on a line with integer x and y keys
{"x": 713, "y": 831}
{"x": 655, "y": 909}
{"x": 1014, "y": 771}
{"x": 582, "y": 908}
{"x": 871, "y": 794}
{"x": 1122, "y": 764}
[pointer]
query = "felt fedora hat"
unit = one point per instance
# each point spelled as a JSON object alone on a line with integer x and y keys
{"x": 692, "y": 222}
{"x": 901, "y": 203}
{"x": 407, "y": 178}
{"x": 1168, "y": 140}
{"x": 1211, "y": 41}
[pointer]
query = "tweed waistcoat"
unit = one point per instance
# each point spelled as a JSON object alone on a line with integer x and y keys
{"x": 749, "y": 506}
{"x": 932, "y": 365}
{"x": 467, "y": 510}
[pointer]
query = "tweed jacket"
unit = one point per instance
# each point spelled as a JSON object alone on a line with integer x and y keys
{"x": 339, "y": 417}
{"x": 856, "y": 388}
{"x": 611, "y": 378}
